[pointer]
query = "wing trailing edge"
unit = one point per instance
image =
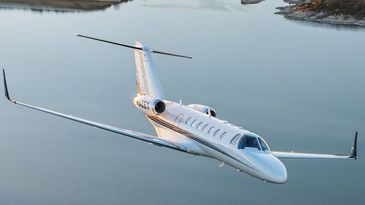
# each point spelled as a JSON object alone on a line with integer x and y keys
{"x": 129, "y": 133}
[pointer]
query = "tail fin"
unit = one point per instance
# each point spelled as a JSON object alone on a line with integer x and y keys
{"x": 147, "y": 79}
{"x": 148, "y": 82}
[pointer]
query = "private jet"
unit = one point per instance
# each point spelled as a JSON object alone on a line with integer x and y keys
{"x": 194, "y": 129}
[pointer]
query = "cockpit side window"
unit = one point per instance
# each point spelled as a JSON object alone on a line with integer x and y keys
{"x": 264, "y": 146}
{"x": 235, "y": 139}
{"x": 248, "y": 141}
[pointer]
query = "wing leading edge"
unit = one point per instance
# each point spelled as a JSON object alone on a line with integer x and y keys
{"x": 298, "y": 155}
{"x": 129, "y": 133}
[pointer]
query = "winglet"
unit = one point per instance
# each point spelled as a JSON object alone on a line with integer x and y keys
{"x": 353, "y": 153}
{"x": 6, "y": 87}
{"x": 6, "y": 91}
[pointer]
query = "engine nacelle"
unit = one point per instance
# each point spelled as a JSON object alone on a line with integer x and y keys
{"x": 149, "y": 105}
{"x": 204, "y": 109}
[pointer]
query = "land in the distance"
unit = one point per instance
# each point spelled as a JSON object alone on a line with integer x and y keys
{"x": 339, "y": 12}
{"x": 59, "y": 5}
{"x": 251, "y": 1}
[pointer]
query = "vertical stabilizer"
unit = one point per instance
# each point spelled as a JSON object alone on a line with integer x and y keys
{"x": 148, "y": 82}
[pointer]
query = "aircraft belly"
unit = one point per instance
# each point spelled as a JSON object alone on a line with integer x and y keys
{"x": 222, "y": 157}
{"x": 178, "y": 139}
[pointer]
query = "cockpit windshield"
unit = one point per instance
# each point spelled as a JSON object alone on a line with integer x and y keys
{"x": 248, "y": 141}
{"x": 252, "y": 141}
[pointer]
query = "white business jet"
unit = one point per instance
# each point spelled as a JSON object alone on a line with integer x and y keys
{"x": 195, "y": 129}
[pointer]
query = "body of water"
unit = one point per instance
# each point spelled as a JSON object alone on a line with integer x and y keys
{"x": 299, "y": 85}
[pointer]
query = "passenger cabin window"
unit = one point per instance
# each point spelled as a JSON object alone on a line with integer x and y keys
{"x": 199, "y": 125}
{"x": 210, "y": 129}
{"x": 179, "y": 119}
{"x": 248, "y": 141}
{"x": 205, "y": 126}
{"x": 216, "y": 132}
{"x": 222, "y": 135}
{"x": 187, "y": 120}
{"x": 193, "y": 122}
{"x": 235, "y": 139}
{"x": 264, "y": 146}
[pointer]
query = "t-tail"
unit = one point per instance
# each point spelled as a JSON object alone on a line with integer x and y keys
{"x": 149, "y": 91}
{"x": 148, "y": 83}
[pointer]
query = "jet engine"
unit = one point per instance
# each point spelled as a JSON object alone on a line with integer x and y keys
{"x": 204, "y": 109}
{"x": 149, "y": 105}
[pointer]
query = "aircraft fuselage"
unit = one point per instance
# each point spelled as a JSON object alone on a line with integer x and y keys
{"x": 203, "y": 134}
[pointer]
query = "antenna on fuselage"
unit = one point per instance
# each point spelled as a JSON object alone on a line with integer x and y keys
{"x": 134, "y": 47}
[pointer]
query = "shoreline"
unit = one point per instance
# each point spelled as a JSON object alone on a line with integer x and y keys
{"x": 244, "y": 2}
{"x": 292, "y": 12}
{"x": 59, "y": 5}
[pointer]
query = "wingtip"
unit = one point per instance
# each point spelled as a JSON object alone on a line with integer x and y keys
{"x": 353, "y": 154}
{"x": 6, "y": 91}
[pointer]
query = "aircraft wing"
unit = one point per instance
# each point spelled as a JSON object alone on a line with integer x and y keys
{"x": 129, "y": 133}
{"x": 299, "y": 155}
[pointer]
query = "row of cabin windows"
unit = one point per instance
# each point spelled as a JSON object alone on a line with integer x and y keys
{"x": 238, "y": 139}
{"x": 204, "y": 127}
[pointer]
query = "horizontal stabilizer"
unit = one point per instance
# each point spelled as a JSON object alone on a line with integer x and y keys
{"x": 133, "y": 47}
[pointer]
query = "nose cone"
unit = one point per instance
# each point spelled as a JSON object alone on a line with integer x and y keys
{"x": 271, "y": 168}
{"x": 275, "y": 171}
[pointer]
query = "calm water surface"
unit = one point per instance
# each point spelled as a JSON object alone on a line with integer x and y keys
{"x": 300, "y": 85}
